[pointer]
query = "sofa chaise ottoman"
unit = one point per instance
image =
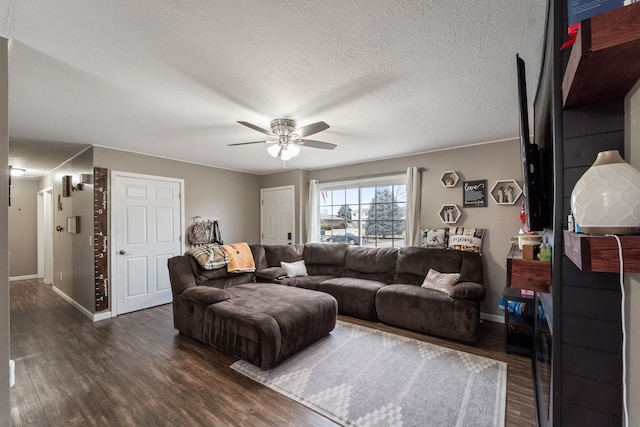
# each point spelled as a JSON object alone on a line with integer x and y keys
{"x": 262, "y": 323}
{"x": 265, "y": 323}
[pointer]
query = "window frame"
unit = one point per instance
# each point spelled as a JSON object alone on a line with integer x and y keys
{"x": 360, "y": 183}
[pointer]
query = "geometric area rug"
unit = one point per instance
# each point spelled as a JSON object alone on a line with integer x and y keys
{"x": 359, "y": 376}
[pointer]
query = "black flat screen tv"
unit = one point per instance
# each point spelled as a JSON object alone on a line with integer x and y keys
{"x": 534, "y": 178}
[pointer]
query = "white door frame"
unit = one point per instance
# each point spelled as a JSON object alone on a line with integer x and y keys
{"x": 293, "y": 209}
{"x": 45, "y": 234}
{"x": 113, "y": 298}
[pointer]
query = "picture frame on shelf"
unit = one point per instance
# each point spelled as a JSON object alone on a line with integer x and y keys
{"x": 505, "y": 192}
{"x": 449, "y": 214}
{"x": 449, "y": 179}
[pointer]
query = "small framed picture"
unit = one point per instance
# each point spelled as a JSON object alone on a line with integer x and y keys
{"x": 73, "y": 224}
{"x": 474, "y": 194}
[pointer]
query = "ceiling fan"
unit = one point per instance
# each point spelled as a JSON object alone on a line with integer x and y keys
{"x": 288, "y": 137}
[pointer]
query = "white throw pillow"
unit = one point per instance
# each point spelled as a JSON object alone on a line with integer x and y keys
{"x": 294, "y": 269}
{"x": 442, "y": 282}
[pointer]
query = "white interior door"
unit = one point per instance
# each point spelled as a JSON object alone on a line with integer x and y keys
{"x": 147, "y": 213}
{"x": 45, "y": 235}
{"x": 277, "y": 213}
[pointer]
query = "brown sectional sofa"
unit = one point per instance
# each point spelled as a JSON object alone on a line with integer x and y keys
{"x": 376, "y": 284}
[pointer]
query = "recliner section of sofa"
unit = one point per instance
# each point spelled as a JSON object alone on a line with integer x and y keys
{"x": 406, "y": 304}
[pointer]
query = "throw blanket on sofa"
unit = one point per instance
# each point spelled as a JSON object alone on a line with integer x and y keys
{"x": 209, "y": 256}
{"x": 240, "y": 258}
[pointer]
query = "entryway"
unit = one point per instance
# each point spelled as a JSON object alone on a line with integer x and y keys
{"x": 147, "y": 219}
{"x": 277, "y": 213}
{"x": 45, "y": 235}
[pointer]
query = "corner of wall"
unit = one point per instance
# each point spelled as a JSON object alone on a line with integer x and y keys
{"x": 5, "y": 400}
{"x": 632, "y": 281}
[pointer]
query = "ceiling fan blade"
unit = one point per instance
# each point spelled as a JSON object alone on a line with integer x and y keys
{"x": 311, "y": 129}
{"x": 316, "y": 144}
{"x": 252, "y": 142}
{"x": 258, "y": 128}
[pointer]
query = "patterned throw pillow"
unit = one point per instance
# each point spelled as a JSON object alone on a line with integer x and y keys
{"x": 442, "y": 282}
{"x": 294, "y": 269}
{"x": 466, "y": 239}
{"x": 435, "y": 237}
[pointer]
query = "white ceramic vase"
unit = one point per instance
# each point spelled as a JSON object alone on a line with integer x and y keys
{"x": 606, "y": 199}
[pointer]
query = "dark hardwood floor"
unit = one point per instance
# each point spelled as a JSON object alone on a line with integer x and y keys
{"x": 136, "y": 370}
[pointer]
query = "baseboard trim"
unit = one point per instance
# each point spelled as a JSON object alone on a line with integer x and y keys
{"x": 71, "y": 301}
{"x": 93, "y": 316}
{"x": 103, "y": 315}
{"x": 492, "y": 317}
{"x": 27, "y": 277}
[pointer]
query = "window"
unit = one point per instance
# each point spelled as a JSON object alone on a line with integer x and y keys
{"x": 367, "y": 212}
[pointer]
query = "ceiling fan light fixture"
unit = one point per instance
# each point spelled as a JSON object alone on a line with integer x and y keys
{"x": 289, "y": 151}
{"x": 284, "y": 151}
{"x": 274, "y": 150}
{"x": 288, "y": 137}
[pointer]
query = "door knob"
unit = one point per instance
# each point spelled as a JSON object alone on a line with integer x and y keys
{"x": 123, "y": 252}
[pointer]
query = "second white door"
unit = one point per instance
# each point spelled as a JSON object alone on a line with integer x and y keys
{"x": 277, "y": 211}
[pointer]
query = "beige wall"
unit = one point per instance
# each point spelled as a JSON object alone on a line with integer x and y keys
{"x": 495, "y": 161}
{"x": 632, "y": 281}
{"x": 23, "y": 244}
{"x": 72, "y": 253}
{"x": 5, "y": 412}
{"x": 209, "y": 192}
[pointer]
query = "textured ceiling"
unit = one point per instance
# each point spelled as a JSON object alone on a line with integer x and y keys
{"x": 172, "y": 77}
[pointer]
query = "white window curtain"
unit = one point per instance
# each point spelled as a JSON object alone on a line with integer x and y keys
{"x": 313, "y": 213}
{"x": 414, "y": 205}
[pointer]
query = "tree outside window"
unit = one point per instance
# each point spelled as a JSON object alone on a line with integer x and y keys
{"x": 345, "y": 212}
{"x": 370, "y": 215}
{"x": 386, "y": 214}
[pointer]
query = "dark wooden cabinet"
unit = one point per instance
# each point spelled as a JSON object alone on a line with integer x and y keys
{"x": 528, "y": 274}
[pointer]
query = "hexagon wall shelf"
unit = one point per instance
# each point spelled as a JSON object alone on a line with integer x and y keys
{"x": 449, "y": 214}
{"x": 505, "y": 192}
{"x": 449, "y": 179}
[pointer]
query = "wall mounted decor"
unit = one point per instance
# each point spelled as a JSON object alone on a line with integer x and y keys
{"x": 73, "y": 224}
{"x": 474, "y": 194}
{"x": 101, "y": 237}
{"x": 66, "y": 186}
{"x": 505, "y": 192}
{"x": 449, "y": 214}
{"x": 449, "y": 179}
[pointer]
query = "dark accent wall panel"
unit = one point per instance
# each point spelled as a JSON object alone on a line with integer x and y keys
{"x": 592, "y": 364}
{"x": 593, "y": 119}
{"x": 573, "y": 276}
{"x": 591, "y": 356}
{"x": 591, "y": 333}
{"x": 583, "y": 150}
{"x": 601, "y": 397}
{"x": 584, "y": 417}
{"x": 591, "y": 303}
